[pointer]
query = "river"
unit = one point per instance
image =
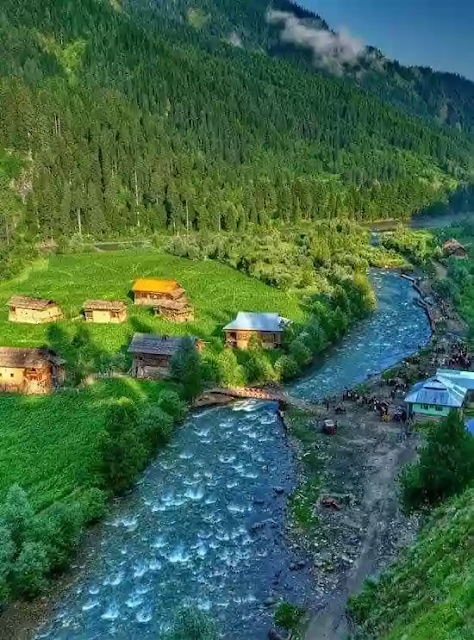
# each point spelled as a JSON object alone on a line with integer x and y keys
{"x": 205, "y": 524}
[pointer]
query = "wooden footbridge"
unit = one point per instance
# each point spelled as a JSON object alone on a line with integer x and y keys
{"x": 253, "y": 393}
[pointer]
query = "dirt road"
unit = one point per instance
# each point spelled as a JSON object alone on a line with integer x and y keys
{"x": 362, "y": 465}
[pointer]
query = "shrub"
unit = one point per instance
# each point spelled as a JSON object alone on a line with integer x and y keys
{"x": 93, "y": 505}
{"x": 185, "y": 366}
{"x": 30, "y": 570}
{"x": 445, "y": 466}
{"x": 192, "y": 624}
{"x": 122, "y": 453}
{"x": 316, "y": 339}
{"x": 157, "y": 427}
{"x": 7, "y": 552}
{"x": 117, "y": 362}
{"x": 300, "y": 352}
{"x": 257, "y": 366}
{"x": 121, "y": 414}
{"x": 59, "y": 533}
{"x": 286, "y": 367}
{"x": 231, "y": 373}
{"x": 209, "y": 369}
{"x": 18, "y": 516}
{"x": 171, "y": 403}
{"x": 289, "y": 616}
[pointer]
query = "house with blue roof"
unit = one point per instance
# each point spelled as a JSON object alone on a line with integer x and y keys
{"x": 447, "y": 391}
{"x": 268, "y": 327}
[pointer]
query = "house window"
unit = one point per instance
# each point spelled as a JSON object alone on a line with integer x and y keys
{"x": 438, "y": 407}
{"x": 426, "y": 407}
{"x": 12, "y": 375}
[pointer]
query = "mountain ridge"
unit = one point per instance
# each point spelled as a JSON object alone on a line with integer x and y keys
{"x": 446, "y": 98}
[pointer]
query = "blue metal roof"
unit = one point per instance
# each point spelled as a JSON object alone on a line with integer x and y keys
{"x": 461, "y": 378}
{"x": 437, "y": 391}
{"x": 257, "y": 322}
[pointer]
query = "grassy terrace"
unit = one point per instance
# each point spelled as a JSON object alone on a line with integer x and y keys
{"x": 49, "y": 443}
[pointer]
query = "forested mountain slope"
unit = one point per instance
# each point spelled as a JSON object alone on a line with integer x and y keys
{"x": 446, "y": 98}
{"x": 111, "y": 125}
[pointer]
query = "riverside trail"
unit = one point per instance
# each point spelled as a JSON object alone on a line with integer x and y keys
{"x": 205, "y": 524}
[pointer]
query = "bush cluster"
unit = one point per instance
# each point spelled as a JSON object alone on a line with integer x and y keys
{"x": 445, "y": 466}
{"x": 35, "y": 546}
{"x": 128, "y": 440}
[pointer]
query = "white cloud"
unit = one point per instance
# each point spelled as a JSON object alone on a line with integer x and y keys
{"x": 330, "y": 50}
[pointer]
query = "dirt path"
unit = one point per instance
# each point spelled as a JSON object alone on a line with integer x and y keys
{"x": 440, "y": 270}
{"x": 364, "y": 459}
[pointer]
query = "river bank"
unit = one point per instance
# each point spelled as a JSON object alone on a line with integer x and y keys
{"x": 355, "y": 527}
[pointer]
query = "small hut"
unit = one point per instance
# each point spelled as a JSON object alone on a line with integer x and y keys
{"x": 33, "y": 310}
{"x": 174, "y": 310}
{"x": 152, "y": 354}
{"x": 105, "y": 311}
{"x": 454, "y": 248}
{"x": 268, "y": 327}
{"x": 30, "y": 371}
{"x": 149, "y": 291}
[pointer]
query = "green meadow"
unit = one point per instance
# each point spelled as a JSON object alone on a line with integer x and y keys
{"x": 49, "y": 444}
{"x": 216, "y": 291}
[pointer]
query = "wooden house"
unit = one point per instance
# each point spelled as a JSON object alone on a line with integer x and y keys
{"x": 30, "y": 371}
{"x": 454, "y": 248}
{"x": 33, "y": 310}
{"x": 268, "y": 327}
{"x": 174, "y": 310}
{"x": 105, "y": 311}
{"x": 149, "y": 291}
{"x": 152, "y": 354}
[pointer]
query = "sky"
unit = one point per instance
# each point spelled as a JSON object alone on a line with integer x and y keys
{"x": 435, "y": 33}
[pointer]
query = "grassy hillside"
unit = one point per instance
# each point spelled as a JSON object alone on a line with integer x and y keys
{"x": 216, "y": 291}
{"x": 49, "y": 444}
{"x": 429, "y": 593}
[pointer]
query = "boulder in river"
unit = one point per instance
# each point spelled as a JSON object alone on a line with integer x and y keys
{"x": 269, "y": 602}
